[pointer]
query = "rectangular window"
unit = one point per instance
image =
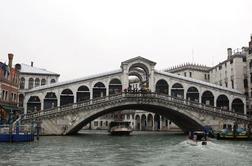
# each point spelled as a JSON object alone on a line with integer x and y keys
{"x": 190, "y": 73}
{"x": 245, "y": 81}
{"x": 205, "y": 76}
{"x": 231, "y": 61}
{"x": 220, "y": 67}
{"x": 226, "y": 84}
{"x": 95, "y": 123}
{"x": 185, "y": 74}
{"x": 232, "y": 83}
{"x": 101, "y": 123}
{"x": 244, "y": 59}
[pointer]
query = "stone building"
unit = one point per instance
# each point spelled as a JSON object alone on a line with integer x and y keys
{"x": 32, "y": 77}
{"x": 9, "y": 84}
{"x": 233, "y": 73}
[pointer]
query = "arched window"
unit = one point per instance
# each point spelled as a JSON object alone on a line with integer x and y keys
{"x": 22, "y": 83}
{"x": 43, "y": 82}
{"x": 83, "y": 93}
{"x": 31, "y": 82}
{"x": 66, "y": 97}
{"x": 53, "y": 81}
{"x": 177, "y": 90}
{"x": 50, "y": 100}
{"x": 223, "y": 102}
{"x": 115, "y": 86}
{"x": 99, "y": 90}
{"x": 192, "y": 94}
{"x": 208, "y": 98}
{"x": 162, "y": 87}
{"x": 37, "y": 82}
{"x": 238, "y": 106}
{"x": 33, "y": 104}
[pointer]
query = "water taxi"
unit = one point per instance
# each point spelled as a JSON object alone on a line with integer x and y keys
{"x": 120, "y": 128}
{"x": 197, "y": 138}
{"x": 228, "y": 134}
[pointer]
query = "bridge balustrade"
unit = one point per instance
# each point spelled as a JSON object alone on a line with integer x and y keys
{"x": 161, "y": 97}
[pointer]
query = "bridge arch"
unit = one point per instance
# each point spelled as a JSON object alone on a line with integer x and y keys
{"x": 115, "y": 86}
{"x": 177, "y": 90}
{"x": 207, "y": 98}
{"x": 83, "y": 93}
{"x": 99, "y": 90}
{"x": 192, "y": 94}
{"x": 50, "y": 100}
{"x": 183, "y": 119}
{"x": 162, "y": 87}
{"x": 222, "y": 101}
{"x": 33, "y": 104}
{"x": 238, "y": 106}
{"x": 66, "y": 97}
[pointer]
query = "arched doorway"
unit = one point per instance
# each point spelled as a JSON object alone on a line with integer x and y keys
{"x": 143, "y": 122}
{"x": 150, "y": 122}
{"x": 162, "y": 87}
{"x": 66, "y": 97}
{"x": 177, "y": 90}
{"x": 157, "y": 122}
{"x": 222, "y": 102}
{"x": 137, "y": 122}
{"x": 99, "y": 90}
{"x": 192, "y": 94}
{"x": 21, "y": 100}
{"x": 83, "y": 93}
{"x": 115, "y": 87}
{"x": 50, "y": 100}
{"x": 208, "y": 98}
{"x": 238, "y": 106}
{"x": 33, "y": 104}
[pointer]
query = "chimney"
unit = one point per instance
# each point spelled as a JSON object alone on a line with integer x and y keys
{"x": 229, "y": 51}
{"x": 10, "y": 56}
{"x": 31, "y": 64}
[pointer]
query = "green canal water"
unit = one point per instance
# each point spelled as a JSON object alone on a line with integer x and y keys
{"x": 100, "y": 149}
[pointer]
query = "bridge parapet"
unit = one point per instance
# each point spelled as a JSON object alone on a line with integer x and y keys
{"x": 140, "y": 98}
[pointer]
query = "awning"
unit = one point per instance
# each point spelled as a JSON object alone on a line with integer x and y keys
{"x": 9, "y": 108}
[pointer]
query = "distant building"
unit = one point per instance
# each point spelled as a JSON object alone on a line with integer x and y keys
{"x": 32, "y": 77}
{"x": 234, "y": 73}
{"x": 9, "y": 85}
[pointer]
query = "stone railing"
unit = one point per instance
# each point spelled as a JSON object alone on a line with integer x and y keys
{"x": 145, "y": 98}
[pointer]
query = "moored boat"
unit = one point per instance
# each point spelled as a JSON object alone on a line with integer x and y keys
{"x": 120, "y": 128}
{"x": 228, "y": 134}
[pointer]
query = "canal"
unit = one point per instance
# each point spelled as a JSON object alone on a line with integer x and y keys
{"x": 148, "y": 149}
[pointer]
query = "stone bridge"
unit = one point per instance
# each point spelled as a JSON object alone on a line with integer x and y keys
{"x": 103, "y": 93}
{"x": 186, "y": 114}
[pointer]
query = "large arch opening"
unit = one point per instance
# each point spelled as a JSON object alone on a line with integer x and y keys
{"x": 222, "y": 102}
{"x": 162, "y": 87}
{"x": 33, "y": 104}
{"x": 115, "y": 87}
{"x": 140, "y": 71}
{"x": 99, "y": 90}
{"x": 50, "y": 100}
{"x": 208, "y": 98}
{"x": 192, "y": 94}
{"x": 143, "y": 122}
{"x": 177, "y": 91}
{"x": 66, "y": 97}
{"x": 157, "y": 124}
{"x": 186, "y": 122}
{"x": 83, "y": 93}
{"x": 238, "y": 106}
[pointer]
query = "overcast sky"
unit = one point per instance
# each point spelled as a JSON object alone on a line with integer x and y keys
{"x": 76, "y": 38}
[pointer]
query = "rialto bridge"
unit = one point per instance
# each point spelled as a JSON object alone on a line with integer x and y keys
{"x": 64, "y": 108}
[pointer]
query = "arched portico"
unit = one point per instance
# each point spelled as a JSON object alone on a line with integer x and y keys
{"x": 33, "y": 104}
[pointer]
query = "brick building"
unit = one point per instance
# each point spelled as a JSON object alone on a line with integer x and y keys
{"x": 9, "y": 86}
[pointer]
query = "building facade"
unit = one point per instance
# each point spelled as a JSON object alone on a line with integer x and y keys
{"x": 233, "y": 73}
{"x": 32, "y": 77}
{"x": 9, "y": 85}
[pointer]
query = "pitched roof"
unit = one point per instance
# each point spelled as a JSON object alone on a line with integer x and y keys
{"x": 139, "y": 58}
{"x": 27, "y": 69}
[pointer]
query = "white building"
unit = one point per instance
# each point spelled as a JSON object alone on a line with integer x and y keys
{"x": 234, "y": 73}
{"x": 31, "y": 77}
